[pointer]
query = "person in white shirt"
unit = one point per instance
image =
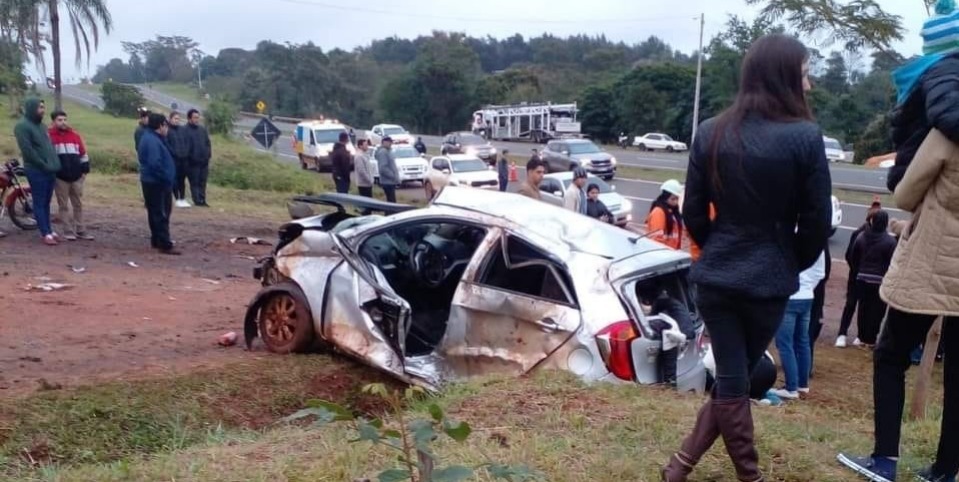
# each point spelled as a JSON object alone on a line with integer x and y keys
{"x": 575, "y": 196}
{"x": 792, "y": 339}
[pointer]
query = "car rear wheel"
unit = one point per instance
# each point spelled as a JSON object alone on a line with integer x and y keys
{"x": 670, "y": 149}
{"x": 428, "y": 190}
{"x": 286, "y": 325}
{"x": 642, "y": 147}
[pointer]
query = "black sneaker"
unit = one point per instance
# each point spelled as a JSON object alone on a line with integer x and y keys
{"x": 876, "y": 469}
{"x": 926, "y": 475}
{"x": 170, "y": 251}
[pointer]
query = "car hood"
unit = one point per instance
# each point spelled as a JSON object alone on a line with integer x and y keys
{"x": 612, "y": 200}
{"x": 475, "y": 176}
{"x": 595, "y": 156}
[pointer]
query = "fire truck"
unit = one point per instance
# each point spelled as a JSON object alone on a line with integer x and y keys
{"x": 527, "y": 121}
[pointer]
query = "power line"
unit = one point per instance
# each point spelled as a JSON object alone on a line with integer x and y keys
{"x": 396, "y": 13}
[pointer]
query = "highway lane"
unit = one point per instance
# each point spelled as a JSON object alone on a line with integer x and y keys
{"x": 641, "y": 193}
{"x": 847, "y": 177}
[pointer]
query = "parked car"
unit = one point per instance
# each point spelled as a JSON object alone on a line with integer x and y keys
{"x": 476, "y": 283}
{"x": 468, "y": 143}
{"x": 459, "y": 170}
{"x": 411, "y": 165}
{"x": 555, "y": 185}
{"x": 834, "y": 150}
{"x": 567, "y": 154}
{"x": 393, "y": 131}
{"x": 658, "y": 142}
{"x": 836, "y": 215}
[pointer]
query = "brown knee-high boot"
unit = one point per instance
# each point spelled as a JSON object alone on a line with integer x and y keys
{"x": 704, "y": 434}
{"x": 735, "y": 421}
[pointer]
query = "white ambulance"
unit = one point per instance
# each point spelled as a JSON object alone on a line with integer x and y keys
{"x": 313, "y": 142}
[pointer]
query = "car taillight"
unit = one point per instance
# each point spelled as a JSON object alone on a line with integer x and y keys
{"x": 618, "y": 339}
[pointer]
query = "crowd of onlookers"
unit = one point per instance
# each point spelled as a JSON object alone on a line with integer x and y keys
{"x": 56, "y": 162}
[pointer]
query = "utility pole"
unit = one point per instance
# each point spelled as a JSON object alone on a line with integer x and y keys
{"x": 699, "y": 75}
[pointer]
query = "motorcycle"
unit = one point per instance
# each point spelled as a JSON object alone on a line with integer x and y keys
{"x": 623, "y": 141}
{"x": 15, "y": 198}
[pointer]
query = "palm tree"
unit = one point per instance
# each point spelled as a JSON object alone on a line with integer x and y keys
{"x": 26, "y": 20}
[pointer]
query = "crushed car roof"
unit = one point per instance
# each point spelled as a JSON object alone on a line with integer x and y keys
{"x": 551, "y": 222}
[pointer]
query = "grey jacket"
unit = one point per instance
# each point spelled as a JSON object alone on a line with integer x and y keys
{"x": 363, "y": 168}
{"x": 386, "y": 163}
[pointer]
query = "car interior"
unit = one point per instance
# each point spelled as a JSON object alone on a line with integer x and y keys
{"x": 675, "y": 286}
{"x": 424, "y": 263}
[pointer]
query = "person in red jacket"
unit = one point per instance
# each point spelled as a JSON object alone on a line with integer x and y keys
{"x": 74, "y": 167}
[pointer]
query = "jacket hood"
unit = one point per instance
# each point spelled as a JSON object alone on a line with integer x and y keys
{"x": 30, "y": 110}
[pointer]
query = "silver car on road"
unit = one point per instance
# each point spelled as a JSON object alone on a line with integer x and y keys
{"x": 476, "y": 283}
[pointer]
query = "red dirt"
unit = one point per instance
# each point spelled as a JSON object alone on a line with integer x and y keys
{"x": 119, "y": 321}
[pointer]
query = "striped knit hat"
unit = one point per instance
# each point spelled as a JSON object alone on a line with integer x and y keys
{"x": 940, "y": 34}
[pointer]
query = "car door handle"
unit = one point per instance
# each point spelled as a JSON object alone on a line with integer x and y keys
{"x": 549, "y": 324}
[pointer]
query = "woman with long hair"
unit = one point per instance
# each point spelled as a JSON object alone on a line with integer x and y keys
{"x": 665, "y": 221}
{"x": 762, "y": 163}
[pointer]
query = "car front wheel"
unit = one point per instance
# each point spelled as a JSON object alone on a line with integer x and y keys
{"x": 286, "y": 325}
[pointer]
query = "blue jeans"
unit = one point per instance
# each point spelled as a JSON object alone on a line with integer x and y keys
{"x": 41, "y": 190}
{"x": 792, "y": 341}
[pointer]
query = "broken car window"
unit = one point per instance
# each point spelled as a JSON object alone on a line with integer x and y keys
{"x": 537, "y": 280}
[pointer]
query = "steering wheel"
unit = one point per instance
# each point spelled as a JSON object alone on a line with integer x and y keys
{"x": 428, "y": 263}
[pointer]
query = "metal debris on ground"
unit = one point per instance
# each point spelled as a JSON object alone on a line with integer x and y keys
{"x": 47, "y": 287}
{"x": 132, "y": 264}
{"x": 211, "y": 281}
{"x": 227, "y": 339}
{"x": 78, "y": 269}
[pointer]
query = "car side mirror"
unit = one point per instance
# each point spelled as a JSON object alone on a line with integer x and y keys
{"x": 446, "y": 171}
{"x": 565, "y": 153}
{"x": 557, "y": 193}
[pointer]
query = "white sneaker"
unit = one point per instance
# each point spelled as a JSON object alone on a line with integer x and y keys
{"x": 841, "y": 341}
{"x": 182, "y": 203}
{"x": 804, "y": 391}
{"x": 856, "y": 342}
{"x": 786, "y": 394}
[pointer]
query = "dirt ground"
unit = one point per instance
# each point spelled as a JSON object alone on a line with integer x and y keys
{"x": 117, "y": 320}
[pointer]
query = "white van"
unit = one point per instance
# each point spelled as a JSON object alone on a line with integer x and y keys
{"x": 313, "y": 142}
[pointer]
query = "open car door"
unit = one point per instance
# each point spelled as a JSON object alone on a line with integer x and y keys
{"x": 513, "y": 309}
{"x": 376, "y": 332}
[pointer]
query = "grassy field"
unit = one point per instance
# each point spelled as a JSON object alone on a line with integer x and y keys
{"x": 220, "y": 426}
{"x": 188, "y": 93}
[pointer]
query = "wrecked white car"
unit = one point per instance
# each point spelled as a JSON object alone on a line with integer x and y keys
{"x": 476, "y": 283}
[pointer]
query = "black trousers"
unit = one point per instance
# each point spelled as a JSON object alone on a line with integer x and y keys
{"x": 901, "y": 335}
{"x": 852, "y": 300}
{"x": 815, "y": 321}
{"x": 389, "y": 190}
{"x": 198, "y": 176}
{"x": 365, "y": 191}
{"x": 182, "y": 171}
{"x": 740, "y": 329}
{"x": 871, "y": 312}
{"x": 503, "y": 183}
{"x": 159, "y": 203}
{"x": 342, "y": 184}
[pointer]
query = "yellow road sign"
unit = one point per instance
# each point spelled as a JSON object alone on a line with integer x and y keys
{"x": 260, "y": 106}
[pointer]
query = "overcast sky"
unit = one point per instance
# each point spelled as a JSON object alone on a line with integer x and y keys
{"x": 216, "y": 24}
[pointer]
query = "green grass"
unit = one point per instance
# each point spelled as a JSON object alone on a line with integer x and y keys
{"x": 181, "y": 91}
{"x": 219, "y": 426}
{"x": 109, "y": 141}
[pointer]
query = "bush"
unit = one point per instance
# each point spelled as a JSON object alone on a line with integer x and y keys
{"x": 220, "y": 116}
{"x": 876, "y": 140}
{"x": 121, "y": 100}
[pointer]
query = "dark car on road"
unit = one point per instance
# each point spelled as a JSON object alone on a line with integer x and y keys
{"x": 470, "y": 144}
{"x": 568, "y": 154}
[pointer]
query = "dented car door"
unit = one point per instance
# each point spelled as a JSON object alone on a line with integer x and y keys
{"x": 513, "y": 309}
{"x": 376, "y": 332}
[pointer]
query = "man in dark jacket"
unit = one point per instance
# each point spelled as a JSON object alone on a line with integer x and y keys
{"x": 420, "y": 146}
{"x": 144, "y": 114}
{"x": 200, "y": 153}
{"x": 342, "y": 162}
{"x": 179, "y": 144}
{"x": 852, "y": 297}
{"x": 74, "y": 167}
{"x": 40, "y": 162}
{"x": 157, "y": 175}
{"x": 502, "y": 170}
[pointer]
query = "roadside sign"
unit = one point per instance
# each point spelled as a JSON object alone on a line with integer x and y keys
{"x": 266, "y": 133}
{"x": 260, "y": 106}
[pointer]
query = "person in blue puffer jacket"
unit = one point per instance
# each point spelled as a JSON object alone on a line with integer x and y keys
{"x": 157, "y": 176}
